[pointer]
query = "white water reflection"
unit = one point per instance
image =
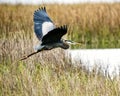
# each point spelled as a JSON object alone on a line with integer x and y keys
{"x": 106, "y": 61}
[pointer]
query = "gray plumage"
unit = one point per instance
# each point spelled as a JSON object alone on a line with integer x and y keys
{"x": 40, "y": 17}
{"x": 47, "y": 33}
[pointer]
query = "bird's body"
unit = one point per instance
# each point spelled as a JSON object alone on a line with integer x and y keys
{"x": 46, "y": 32}
{"x": 50, "y": 46}
{"x": 51, "y": 42}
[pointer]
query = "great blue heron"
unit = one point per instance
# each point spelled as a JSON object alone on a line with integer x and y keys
{"x": 48, "y": 33}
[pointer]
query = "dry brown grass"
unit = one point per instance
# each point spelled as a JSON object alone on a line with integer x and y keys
{"x": 49, "y": 73}
{"x": 97, "y": 25}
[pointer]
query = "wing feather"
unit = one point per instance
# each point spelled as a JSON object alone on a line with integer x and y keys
{"x": 40, "y": 17}
{"x": 54, "y": 35}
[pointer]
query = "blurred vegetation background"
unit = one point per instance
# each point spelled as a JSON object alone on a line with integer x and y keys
{"x": 49, "y": 72}
{"x": 95, "y": 25}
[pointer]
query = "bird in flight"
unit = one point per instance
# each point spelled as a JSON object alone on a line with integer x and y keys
{"x": 46, "y": 32}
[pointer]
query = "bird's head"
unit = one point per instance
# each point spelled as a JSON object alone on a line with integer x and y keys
{"x": 66, "y": 43}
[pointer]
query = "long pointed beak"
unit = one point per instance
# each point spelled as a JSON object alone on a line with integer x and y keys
{"x": 72, "y": 42}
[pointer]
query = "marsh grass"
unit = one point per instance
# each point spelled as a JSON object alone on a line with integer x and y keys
{"x": 49, "y": 72}
{"x": 95, "y": 25}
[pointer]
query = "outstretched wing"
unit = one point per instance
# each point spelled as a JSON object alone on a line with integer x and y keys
{"x": 54, "y": 35}
{"x": 42, "y": 23}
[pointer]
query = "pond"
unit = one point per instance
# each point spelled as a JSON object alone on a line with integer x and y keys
{"x": 106, "y": 61}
